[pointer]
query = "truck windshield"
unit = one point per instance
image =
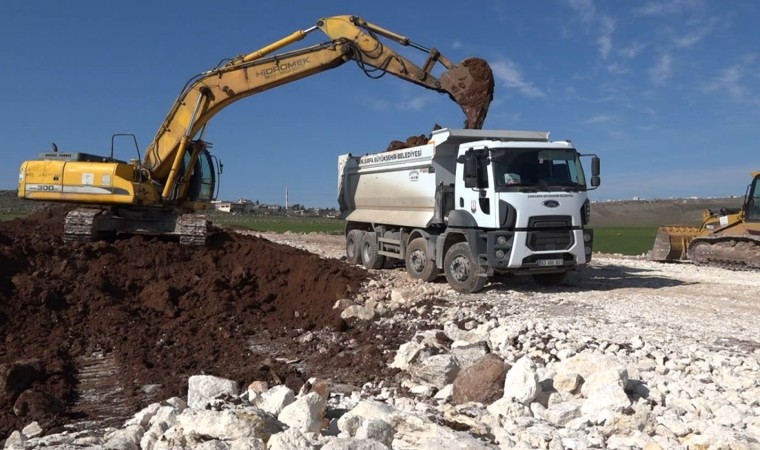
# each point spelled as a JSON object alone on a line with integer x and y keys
{"x": 516, "y": 169}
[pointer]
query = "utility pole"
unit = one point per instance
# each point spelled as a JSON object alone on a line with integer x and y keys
{"x": 286, "y": 198}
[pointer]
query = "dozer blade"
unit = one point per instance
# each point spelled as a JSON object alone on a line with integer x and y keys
{"x": 470, "y": 84}
{"x": 672, "y": 241}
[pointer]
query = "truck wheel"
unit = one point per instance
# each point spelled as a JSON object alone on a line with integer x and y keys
{"x": 370, "y": 258}
{"x": 353, "y": 242}
{"x": 550, "y": 279}
{"x": 418, "y": 265}
{"x": 462, "y": 270}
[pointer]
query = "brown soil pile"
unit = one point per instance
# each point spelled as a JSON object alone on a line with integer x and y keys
{"x": 79, "y": 322}
{"x": 411, "y": 141}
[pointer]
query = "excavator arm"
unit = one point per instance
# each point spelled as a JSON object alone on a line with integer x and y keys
{"x": 469, "y": 84}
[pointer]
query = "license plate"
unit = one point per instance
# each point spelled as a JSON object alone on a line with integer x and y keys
{"x": 549, "y": 262}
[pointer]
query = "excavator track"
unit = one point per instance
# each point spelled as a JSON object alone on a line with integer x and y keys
{"x": 734, "y": 253}
{"x": 79, "y": 225}
{"x": 192, "y": 229}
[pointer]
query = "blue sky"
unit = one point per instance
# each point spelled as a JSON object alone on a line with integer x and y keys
{"x": 667, "y": 93}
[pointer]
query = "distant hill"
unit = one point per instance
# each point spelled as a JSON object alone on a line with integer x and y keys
{"x": 657, "y": 212}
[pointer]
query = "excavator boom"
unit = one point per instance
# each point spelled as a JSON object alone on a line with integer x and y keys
{"x": 469, "y": 84}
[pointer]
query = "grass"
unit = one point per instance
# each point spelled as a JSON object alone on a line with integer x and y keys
{"x": 624, "y": 240}
{"x": 10, "y": 216}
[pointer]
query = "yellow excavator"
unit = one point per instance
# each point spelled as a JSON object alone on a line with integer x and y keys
{"x": 163, "y": 193}
{"x": 728, "y": 238}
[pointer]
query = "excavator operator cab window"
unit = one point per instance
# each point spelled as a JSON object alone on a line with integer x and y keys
{"x": 203, "y": 179}
{"x": 753, "y": 201}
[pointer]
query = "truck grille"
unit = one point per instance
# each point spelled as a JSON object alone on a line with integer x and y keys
{"x": 550, "y": 233}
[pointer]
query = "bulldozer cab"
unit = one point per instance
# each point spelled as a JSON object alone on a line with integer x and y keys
{"x": 752, "y": 204}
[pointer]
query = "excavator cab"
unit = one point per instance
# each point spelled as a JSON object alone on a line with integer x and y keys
{"x": 203, "y": 180}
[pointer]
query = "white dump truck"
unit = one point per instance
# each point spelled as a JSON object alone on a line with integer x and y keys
{"x": 472, "y": 204}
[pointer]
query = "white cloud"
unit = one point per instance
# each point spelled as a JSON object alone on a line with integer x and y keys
{"x": 663, "y": 8}
{"x": 603, "y": 24}
{"x": 604, "y": 41}
{"x": 457, "y": 45}
{"x": 632, "y": 50}
{"x": 508, "y": 73}
{"x": 662, "y": 70}
{"x": 730, "y": 79}
{"x": 414, "y": 103}
{"x": 585, "y": 8}
{"x": 599, "y": 118}
{"x": 694, "y": 37}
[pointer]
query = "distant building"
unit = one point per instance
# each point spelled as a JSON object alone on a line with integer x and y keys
{"x": 228, "y": 207}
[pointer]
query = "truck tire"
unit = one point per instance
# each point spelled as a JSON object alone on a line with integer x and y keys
{"x": 550, "y": 279}
{"x": 462, "y": 270}
{"x": 419, "y": 265}
{"x": 370, "y": 258}
{"x": 353, "y": 246}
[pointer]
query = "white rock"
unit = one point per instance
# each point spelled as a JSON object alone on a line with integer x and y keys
{"x": 436, "y": 370}
{"x": 562, "y": 413}
{"x": 521, "y": 383}
{"x": 605, "y": 399}
{"x": 290, "y": 439}
{"x": 248, "y": 443}
{"x": 125, "y": 439}
{"x": 275, "y": 399}
{"x": 377, "y": 430}
{"x": 566, "y": 381}
{"x": 15, "y": 441}
{"x": 212, "y": 445}
{"x": 306, "y": 413}
{"x": 228, "y": 424}
{"x": 365, "y": 410}
{"x": 353, "y": 444}
{"x": 507, "y": 407}
{"x": 202, "y": 389}
{"x": 467, "y": 353}
{"x": 32, "y": 430}
{"x": 358, "y": 312}
{"x": 405, "y": 355}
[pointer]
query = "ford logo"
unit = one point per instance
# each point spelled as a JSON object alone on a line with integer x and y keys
{"x": 551, "y": 203}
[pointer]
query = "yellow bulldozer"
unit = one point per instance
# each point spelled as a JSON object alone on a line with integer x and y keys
{"x": 728, "y": 238}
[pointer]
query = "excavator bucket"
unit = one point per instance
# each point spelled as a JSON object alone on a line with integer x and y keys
{"x": 470, "y": 84}
{"x": 672, "y": 242}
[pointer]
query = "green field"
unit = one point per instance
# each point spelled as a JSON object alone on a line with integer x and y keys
{"x": 624, "y": 240}
{"x": 279, "y": 224}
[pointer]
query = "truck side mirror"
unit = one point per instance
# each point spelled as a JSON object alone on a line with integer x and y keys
{"x": 595, "y": 167}
{"x": 470, "y": 170}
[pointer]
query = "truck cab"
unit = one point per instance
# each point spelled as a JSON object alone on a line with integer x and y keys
{"x": 529, "y": 200}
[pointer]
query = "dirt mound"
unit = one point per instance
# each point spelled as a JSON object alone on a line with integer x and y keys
{"x": 136, "y": 317}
